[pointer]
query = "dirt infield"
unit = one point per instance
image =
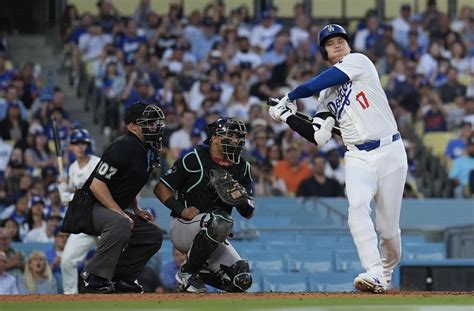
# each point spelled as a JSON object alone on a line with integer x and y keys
{"x": 217, "y": 296}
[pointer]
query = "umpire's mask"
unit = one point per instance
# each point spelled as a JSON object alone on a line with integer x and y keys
{"x": 232, "y": 133}
{"x": 152, "y": 124}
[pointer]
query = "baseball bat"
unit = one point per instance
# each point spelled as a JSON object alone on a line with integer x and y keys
{"x": 303, "y": 116}
{"x": 57, "y": 147}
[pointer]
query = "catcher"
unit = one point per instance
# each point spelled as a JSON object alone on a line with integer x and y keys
{"x": 201, "y": 189}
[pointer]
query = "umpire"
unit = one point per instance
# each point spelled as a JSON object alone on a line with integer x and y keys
{"x": 127, "y": 240}
{"x": 201, "y": 214}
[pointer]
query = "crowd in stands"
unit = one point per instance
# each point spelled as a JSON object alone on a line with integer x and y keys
{"x": 212, "y": 64}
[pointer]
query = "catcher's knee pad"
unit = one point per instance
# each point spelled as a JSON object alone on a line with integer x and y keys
{"x": 239, "y": 274}
{"x": 219, "y": 226}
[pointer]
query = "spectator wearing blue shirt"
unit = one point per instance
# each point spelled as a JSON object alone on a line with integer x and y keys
{"x": 457, "y": 146}
{"x": 53, "y": 255}
{"x": 131, "y": 41}
{"x": 202, "y": 43}
{"x": 137, "y": 89}
{"x": 277, "y": 52}
{"x": 169, "y": 270}
{"x": 79, "y": 30}
{"x": 17, "y": 212}
{"x": 11, "y": 98}
{"x": 366, "y": 38}
{"x": 6, "y": 75}
{"x": 460, "y": 170}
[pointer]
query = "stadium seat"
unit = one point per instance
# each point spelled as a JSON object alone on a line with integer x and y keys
{"x": 437, "y": 141}
{"x": 285, "y": 282}
{"x": 331, "y": 282}
{"x": 272, "y": 264}
{"x": 321, "y": 263}
{"x": 347, "y": 260}
{"x": 424, "y": 251}
{"x": 28, "y": 248}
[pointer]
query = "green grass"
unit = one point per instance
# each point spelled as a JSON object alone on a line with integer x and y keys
{"x": 379, "y": 303}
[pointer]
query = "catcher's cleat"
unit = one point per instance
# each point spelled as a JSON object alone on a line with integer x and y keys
{"x": 367, "y": 282}
{"x": 123, "y": 286}
{"x": 189, "y": 282}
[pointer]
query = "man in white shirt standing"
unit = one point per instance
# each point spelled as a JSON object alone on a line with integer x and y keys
{"x": 263, "y": 34}
{"x": 77, "y": 245}
{"x": 401, "y": 25}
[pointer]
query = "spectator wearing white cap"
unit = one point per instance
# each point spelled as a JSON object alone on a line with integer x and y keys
{"x": 264, "y": 33}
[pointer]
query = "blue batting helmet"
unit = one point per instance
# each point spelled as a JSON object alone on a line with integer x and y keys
{"x": 80, "y": 136}
{"x": 328, "y": 32}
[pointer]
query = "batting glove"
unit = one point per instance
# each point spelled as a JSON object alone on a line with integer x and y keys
{"x": 283, "y": 109}
{"x": 279, "y": 113}
{"x": 288, "y": 103}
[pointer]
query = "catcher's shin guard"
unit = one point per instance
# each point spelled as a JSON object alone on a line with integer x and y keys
{"x": 216, "y": 231}
{"x": 236, "y": 278}
{"x": 200, "y": 251}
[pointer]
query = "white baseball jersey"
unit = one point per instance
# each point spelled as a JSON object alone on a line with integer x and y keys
{"x": 78, "y": 176}
{"x": 359, "y": 105}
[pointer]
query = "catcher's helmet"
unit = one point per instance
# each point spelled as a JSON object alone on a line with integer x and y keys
{"x": 80, "y": 136}
{"x": 233, "y": 134}
{"x": 151, "y": 119}
{"x": 328, "y": 32}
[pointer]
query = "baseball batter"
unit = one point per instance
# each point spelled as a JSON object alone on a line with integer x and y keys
{"x": 376, "y": 165}
{"x": 77, "y": 245}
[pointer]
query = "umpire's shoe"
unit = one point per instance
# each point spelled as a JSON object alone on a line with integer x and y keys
{"x": 189, "y": 282}
{"x": 123, "y": 286}
{"x": 94, "y": 284}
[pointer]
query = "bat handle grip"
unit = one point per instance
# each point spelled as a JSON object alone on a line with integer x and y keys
{"x": 60, "y": 167}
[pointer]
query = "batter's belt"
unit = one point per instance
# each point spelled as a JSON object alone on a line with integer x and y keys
{"x": 374, "y": 144}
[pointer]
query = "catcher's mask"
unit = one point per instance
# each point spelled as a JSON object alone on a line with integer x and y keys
{"x": 233, "y": 134}
{"x": 150, "y": 118}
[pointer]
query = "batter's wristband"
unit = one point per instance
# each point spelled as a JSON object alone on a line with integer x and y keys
{"x": 174, "y": 205}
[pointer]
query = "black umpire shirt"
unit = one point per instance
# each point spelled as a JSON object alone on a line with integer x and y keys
{"x": 125, "y": 167}
{"x": 189, "y": 178}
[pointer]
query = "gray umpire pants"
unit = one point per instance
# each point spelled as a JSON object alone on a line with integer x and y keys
{"x": 122, "y": 252}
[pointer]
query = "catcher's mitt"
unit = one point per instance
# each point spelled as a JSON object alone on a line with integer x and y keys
{"x": 228, "y": 190}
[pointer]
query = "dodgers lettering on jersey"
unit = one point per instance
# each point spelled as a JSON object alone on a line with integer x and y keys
{"x": 343, "y": 92}
{"x": 359, "y": 105}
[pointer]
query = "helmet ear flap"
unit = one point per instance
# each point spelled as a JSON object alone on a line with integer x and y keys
{"x": 324, "y": 54}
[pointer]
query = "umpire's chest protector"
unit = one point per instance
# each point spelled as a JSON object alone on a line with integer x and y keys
{"x": 197, "y": 191}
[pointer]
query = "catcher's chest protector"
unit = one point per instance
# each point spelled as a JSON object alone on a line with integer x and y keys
{"x": 236, "y": 170}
